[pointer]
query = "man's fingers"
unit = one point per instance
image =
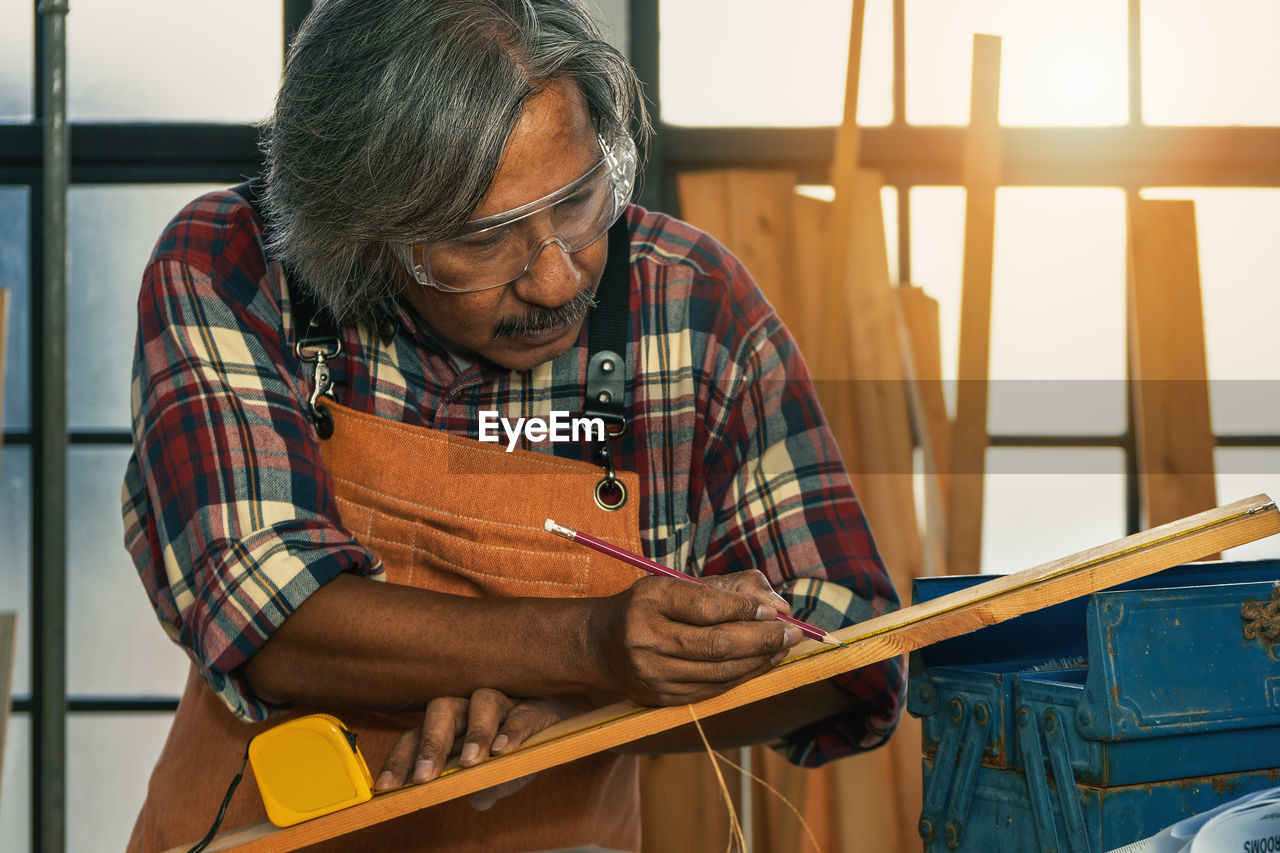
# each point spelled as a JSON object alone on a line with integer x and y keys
{"x": 443, "y": 720}
{"x": 695, "y": 683}
{"x": 679, "y": 681}
{"x": 525, "y": 719}
{"x": 727, "y": 599}
{"x": 488, "y": 708}
{"x": 703, "y": 606}
{"x": 730, "y": 641}
{"x": 752, "y": 583}
{"x": 395, "y": 770}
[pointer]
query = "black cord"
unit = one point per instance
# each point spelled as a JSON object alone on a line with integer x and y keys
{"x": 222, "y": 810}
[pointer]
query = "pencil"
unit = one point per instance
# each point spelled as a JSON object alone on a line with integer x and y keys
{"x": 813, "y": 632}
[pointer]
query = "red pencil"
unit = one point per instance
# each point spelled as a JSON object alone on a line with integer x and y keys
{"x": 811, "y": 631}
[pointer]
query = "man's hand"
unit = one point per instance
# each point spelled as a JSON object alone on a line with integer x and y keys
{"x": 489, "y": 723}
{"x": 664, "y": 642}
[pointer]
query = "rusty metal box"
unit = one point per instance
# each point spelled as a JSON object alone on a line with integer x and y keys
{"x": 1155, "y": 700}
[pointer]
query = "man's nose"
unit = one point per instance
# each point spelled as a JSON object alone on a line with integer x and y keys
{"x": 553, "y": 278}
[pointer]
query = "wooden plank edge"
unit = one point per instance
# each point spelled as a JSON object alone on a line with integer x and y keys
{"x": 869, "y": 642}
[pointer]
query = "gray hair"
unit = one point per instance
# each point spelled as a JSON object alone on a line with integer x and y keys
{"x": 392, "y": 118}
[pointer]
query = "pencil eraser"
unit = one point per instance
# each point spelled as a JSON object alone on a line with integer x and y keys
{"x": 549, "y": 525}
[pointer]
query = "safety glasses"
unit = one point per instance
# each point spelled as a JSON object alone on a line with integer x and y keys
{"x": 497, "y": 250}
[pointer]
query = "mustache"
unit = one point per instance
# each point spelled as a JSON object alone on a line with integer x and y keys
{"x": 539, "y": 319}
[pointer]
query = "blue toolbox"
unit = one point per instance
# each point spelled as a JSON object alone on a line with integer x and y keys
{"x": 1095, "y": 723}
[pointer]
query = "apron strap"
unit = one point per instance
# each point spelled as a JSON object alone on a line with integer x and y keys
{"x": 607, "y": 333}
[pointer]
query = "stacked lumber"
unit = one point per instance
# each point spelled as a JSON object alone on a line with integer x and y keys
{"x": 1170, "y": 378}
{"x": 981, "y": 175}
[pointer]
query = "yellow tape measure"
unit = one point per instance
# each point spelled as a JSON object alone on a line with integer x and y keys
{"x": 309, "y": 767}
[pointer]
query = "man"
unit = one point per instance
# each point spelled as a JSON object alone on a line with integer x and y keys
{"x": 448, "y": 184}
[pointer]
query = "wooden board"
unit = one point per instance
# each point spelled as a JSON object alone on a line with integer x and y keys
{"x": 810, "y": 221}
{"x": 781, "y": 237}
{"x": 920, "y": 334}
{"x": 882, "y": 464}
{"x": 749, "y": 212}
{"x": 1170, "y": 380}
{"x": 878, "y": 639}
{"x": 981, "y": 171}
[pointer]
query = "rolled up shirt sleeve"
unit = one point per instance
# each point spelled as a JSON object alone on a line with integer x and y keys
{"x": 229, "y": 515}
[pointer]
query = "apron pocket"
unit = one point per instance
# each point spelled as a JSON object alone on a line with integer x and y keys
{"x": 448, "y": 552}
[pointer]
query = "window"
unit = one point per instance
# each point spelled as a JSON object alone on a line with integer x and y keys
{"x": 1083, "y": 102}
{"x": 134, "y": 164}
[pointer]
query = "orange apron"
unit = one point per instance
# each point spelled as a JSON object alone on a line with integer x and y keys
{"x": 451, "y": 514}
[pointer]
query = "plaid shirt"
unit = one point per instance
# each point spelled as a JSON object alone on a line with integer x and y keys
{"x": 230, "y": 516}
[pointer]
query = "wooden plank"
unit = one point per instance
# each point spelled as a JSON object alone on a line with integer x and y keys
{"x": 857, "y": 780}
{"x": 883, "y": 426}
{"x": 848, "y": 153}
{"x": 809, "y": 790}
{"x": 682, "y": 807}
{"x": 810, "y": 221}
{"x": 749, "y": 212}
{"x": 874, "y": 415}
{"x": 996, "y": 600}
{"x": 981, "y": 170}
{"x": 1170, "y": 378}
{"x": 882, "y": 459}
{"x": 920, "y": 334}
{"x": 704, "y": 203}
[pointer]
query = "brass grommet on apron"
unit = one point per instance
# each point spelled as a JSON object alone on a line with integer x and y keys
{"x": 610, "y": 493}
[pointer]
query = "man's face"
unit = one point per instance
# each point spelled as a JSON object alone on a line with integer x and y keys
{"x": 538, "y": 316}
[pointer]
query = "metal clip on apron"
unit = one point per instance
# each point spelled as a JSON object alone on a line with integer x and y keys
{"x": 317, "y": 349}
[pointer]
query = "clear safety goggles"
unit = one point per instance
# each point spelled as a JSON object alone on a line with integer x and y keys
{"x": 497, "y": 250}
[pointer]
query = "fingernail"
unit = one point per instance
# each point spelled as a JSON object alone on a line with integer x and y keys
{"x": 791, "y": 636}
{"x": 422, "y": 771}
{"x": 470, "y": 753}
{"x": 765, "y": 614}
{"x": 778, "y": 658}
{"x": 500, "y": 743}
{"x": 386, "y": 780}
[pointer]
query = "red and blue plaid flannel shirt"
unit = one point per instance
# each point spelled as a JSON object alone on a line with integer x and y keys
{"x": 230, "y": 516}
